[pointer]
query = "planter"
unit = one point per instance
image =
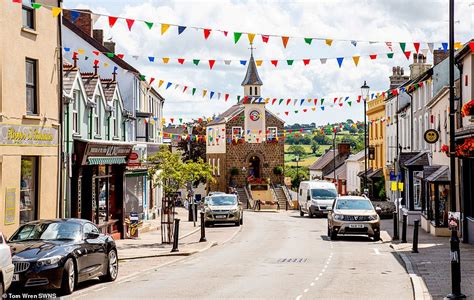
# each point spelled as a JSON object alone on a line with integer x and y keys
{"x": 468, "y": 109}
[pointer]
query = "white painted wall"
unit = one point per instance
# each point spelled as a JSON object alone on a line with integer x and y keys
{"x": 218, "y": 143}
{"x": 256, "y": 127}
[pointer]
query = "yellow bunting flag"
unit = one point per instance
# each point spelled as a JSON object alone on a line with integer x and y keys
{"x": 56, "y": 11}
{"x": 251, "y": 36}
{"x": 457, "y": 45}
{"x": 328, "y": 42}
{"x": 81, "y": 51}
{"x": 204, "y": 92}
{"x": 313, "y": 108}
{"x": 267, "y": 100}
{"x": 259, "y": 62}
{"x": 160, "y": 83}
{"x": 106, "y": 65}
{"x": 356, "y": 60}
{"x": 166, "y": 60}
{"x": 163, "y": 120}
{"x": 164, "y": 27}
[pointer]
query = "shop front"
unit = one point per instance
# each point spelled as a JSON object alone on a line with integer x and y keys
{"x": 98, "y": 184}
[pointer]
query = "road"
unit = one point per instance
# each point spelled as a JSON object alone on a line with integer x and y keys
{"x": 275, "y": 256}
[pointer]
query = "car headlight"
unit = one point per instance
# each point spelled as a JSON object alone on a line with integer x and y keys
{"x": 233, "y": 211}
{"x": 48, "y": 260}
{"x": 373, "y": 217}
{"x": 338, "y": 217}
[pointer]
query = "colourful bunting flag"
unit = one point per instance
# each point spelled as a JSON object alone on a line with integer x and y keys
{"x": 306, "y": 62}
{"x": 165, "y": 60}
{"x": 56, "y": 11}
{"x": 164, "y": 28}
{"x": 259, "y": 62}
{"x": 211, "y": 63}
{"x": 471, "y": 45}
{"x": 130, "y": 23}
{"x": 339, "y": 61}
{"x": 207, "y": 32}
{"x": 148, "y": 24}
{"x": 168, "y": 85}
{"x": 237, "y": 36}
{"x": 445, "y": 47}
{"x": 181, "y": 29}
{"x": 196, "y": 61}
{"x": 265, "y": 38}
{"x": 251, "y": 36}
{"x": 329, "y": 42}
{"x": 457, "y": 45}
{"x": 160, "y": 83}
{"x": 284, "y": 40}
{"x": 308, "y": 40}
{"x": 274, "y": 62}
{"x": 226, "y": 97}
{"x": 356, "y": 60}
{"x": 112, "y": 21}
{"x": 193, "y": 91}
{"x": 373, "y": 56}
{"x": 389, "y": 55}
{"x": 407, "y": 54}
{"x": 181, "y": 61}
{"x": 417, "y": 47}
{"x": 403, "y": 45}
{"x": 289, "y": 62}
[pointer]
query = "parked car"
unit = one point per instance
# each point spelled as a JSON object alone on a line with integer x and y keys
{"x": 61, "y": 253}
{"x": 6, "y": 265}
{"x": 353, "y": 215}
{"x": 223, "y": 208}
{"x": 315, "y": 198}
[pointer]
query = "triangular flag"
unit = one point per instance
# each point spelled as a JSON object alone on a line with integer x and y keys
{"x": 308, "y": 40}
{"x": 164, "y": 28}
{"x": 226, "y": 97}
{"x": 274, "y": 62}
{"x": 165, "y": 60}
{"x": 407, "y": 54}
{"x": 354, "y": 43}
{"x": 471, "y": 45}
{"x": 339, "y": 61}
{"x": 356, "y": 60}
{"x": 288, "y": 101}
{"x": 251, "y": 36}
{"x": 96, "y": 53}
{"x": 328, "y": 42}
{"x": 280, "y": 101}
{"x": 417, "y": 47}
{"x": 56, "y": 11}
{"x": 259, "y": 62}
{"x": 160, "y": 83}
{"x": 445, "y": 47}
{"x": 149, "y": 24}
{"x": 323, "y": 60}
{"x": 431, "y": 46}
{"x": 211, "y": 63}
{"x": 322, "y": 101}
{"x": 193, "y": 91}
{"x": 112, "y": 21}
{"x": 284, "y": 40}
{"x": 181, "y": 60}
{"x": 265, "y": 38}
{"x": 306, "y": 62}
{"x": 403, "y": 45}
{"x": 373, "y": 56}
{"x": 457, "y": 45}
{"x": 349, "y": 102}
{"x": 243, "y": 62}
{"x": 289, "y": 62}
{"x": 185, "y": 88}
{"x": 196, "y": 61}
{"x": 168, "y": 85}
{"x": 207, "y": 32}
{"x": 313, "y": 108}
{"x": 225, "y": 33}
{"x": 389, "y": 55}
{"x": 37, "y": 6}
{"x": 181, "y": 29}
{"x": 151, "y": 80}
{"x": 151, "y": 58}
{"x": 389, "y": 45}
{"x": 130, "y": 23}
{"x": 74, "y": 14}
{"x": 302, "y": 101}
{"x": 204, "y": 92}
{"x": 237, "y": 36}
{"x": 286, "y": 113}
{"x": 227, "y": 61}
{"x": 211, "y": 95}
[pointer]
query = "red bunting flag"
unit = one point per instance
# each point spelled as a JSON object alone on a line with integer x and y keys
{"x": 226, "y": 97}
{"x": 417, "y": 47}
{"x": 373, "y": 56}
{"x": 211, "y": 63}
{"x": 17, "y": 1}
{"x": 130, "y": 23}
{"x": 274, "y": 62}
{"x": 335, "y": 99}
{"x": 185, "y": 88}
{"x": 245, "y": 99}
{"x": 172, "y": 120}
{"x": 288, "y": 101}
{"x": 120, "y": 56}
{"x": 181, "y": 60}
{"x": 407, "y": 54}
{"x": 340, "y": 104}
{"x": 284, "y": 40}
{"x": 200, "y": 120}
{"x": 286, "y": 113}
{"x": 471, "y": 45}
{"x": 358, "y": 98}
{"x": 96, "y": 53}
{"x": 265, "y": 38}
{"x": 151, "y": 80}
{"x": 112, "y": 21}
{"x": 274, "y": 100}
{"x": 306, "y": 61}
{"x": 207, "y": 32}
{"x": 315, "y": 101}
{"x": 96, "y": 62}
{"x": 395, "y": 92}
{"x": 225, "y": 33}
{"x": 305, "y": 110}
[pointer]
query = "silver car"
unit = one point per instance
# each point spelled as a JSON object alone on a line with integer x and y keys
{"x": 223, "y": 208}
{"x": 6, "y": 266}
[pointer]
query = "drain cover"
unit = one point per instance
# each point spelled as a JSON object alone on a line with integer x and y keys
{"x": 292, "y": 260}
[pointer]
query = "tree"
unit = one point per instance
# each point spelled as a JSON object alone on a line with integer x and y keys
{"x": 297, "y": 150}
{"x": 198, "y": 148}
{"x": 314, "y": 147}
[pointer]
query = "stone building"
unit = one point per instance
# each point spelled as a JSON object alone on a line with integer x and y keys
{"x": 245, "y": 142}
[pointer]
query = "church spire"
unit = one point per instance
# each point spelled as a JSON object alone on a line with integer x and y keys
{"x": 252, "y": 81}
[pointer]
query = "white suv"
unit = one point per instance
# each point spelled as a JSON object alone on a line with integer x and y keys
{"x": 6, "y": 266}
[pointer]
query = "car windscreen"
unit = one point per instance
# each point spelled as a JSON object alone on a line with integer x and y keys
{"x": 47, "y": 231}
{"x": 222, "y": 200}
{"x": 323, "y": 193}
{"x": 362, "y": 204}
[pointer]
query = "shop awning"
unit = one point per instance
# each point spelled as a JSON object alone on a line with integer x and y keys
{"x": 118, "y": 160}
{"x": 441, "y": 175}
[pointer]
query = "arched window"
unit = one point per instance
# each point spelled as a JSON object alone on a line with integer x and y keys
{"x": 250, "y": 91}
{"x": 256, "y": 91}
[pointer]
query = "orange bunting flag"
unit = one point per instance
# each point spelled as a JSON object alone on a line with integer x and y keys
{"x": 164, "y": 28}
{"x": 165, "y": 60}
{"x": 207, "y": 32}
{"x": 457, "y": 45}
{"x": 160, "y": 83}
{"x": 251, "y": 36}
{"x": 356, "y": 60}
{"x": 328, "y": 42}
{"x": 259, "y": 62}
{"x": 130, "y": 23}
{"x": 285, "y": 39}
{"x": 56, "y": 11}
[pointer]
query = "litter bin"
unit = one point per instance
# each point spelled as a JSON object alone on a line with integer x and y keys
{"x": 192, "y": 207}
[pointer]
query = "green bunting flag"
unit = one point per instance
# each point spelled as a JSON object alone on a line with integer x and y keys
{"x": 308, "y": 40}
{"x": 349, "y": 102}
{"x": 196, "y": 61}
{"x": 389, "y": 55}
{"x": 87, "y": 57}
{"x": 142, "y": 77}
{"x": 322, "y": 101}
{"x": 289, "y": 62}
{"x": 149, "y": 24}
{"x": 194, "y": 91}
{"x": 238, "y": 98}
{"x": 237, "y": 36}
{"x": 403, "y": 45}
{"x": 110, "y": 54}
{"x": 281, "y": 100}
{"x": 35, "y": 5}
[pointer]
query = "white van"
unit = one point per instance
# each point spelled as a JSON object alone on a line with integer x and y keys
{"x": 316, "y": 197}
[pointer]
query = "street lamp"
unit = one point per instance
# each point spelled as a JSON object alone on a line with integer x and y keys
{"x": 365, "y": 95}
{"x": 190, "y": 184}
{"x": 334, "y": 152}
{"x": 297, "y": 159}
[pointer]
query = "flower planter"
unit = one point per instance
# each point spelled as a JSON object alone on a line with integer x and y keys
{"x": 468, "y": 109}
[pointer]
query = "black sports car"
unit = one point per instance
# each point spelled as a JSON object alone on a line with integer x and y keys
{"x": 60, "y": 253}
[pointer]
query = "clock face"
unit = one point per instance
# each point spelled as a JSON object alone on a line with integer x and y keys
{"x": 254, "y": 115}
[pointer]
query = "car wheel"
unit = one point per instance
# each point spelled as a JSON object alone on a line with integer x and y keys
{"x": 242, "y": 221}
{"x": 310, "y": 214}
{"x": 69, "y": 278}
{"x": 333, "y": 235}
{"x": 301, "y": 213}
{"x": 237, "y": 223}
{"x": 329, "y": 231}
{"x": 112, "y": 266}
{"x": 377, "y": 236}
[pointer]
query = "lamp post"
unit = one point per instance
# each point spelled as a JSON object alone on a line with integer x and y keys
{"x": 334, "y": 153}
{"x": 297, "y": 159}
{"x": 190, "y": 184}
{"x": 365, "y": 94}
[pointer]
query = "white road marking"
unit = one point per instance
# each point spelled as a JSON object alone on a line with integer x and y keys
{"x": 377, "y": 251}
{"x": 320, "y": 274}
{"x": 306, "y": 290}
{"x": 316, "y": 279}
{"x": 312, "y": 284}
{"x": 299, "y": 297}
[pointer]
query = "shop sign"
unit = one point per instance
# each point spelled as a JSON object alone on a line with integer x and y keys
{"x": 133, "y": 159}
{"x": 431, "y": 136}
{"x": 371, "y": 153}
{"x": 28, "y": 135}
{"x": 10, "y": 196}
{"x": 107, "y": 150}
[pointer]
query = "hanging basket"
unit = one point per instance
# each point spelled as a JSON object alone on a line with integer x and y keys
{"x": 468, "y": 109}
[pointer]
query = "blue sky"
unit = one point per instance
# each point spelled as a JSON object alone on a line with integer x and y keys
{"x": 385, "y": 20}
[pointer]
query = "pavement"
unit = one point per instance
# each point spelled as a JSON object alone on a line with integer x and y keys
{"x": 432, "y": 263}
{"x": 272, "y": 256}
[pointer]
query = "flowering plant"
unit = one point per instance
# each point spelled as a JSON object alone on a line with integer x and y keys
{"x": 466, "y": 149}
{"x": 445, "y": 149}
{"x": 468, "y": 109}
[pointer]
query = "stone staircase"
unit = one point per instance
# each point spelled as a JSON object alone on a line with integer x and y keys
{"x": 281, "y": 196}
{"x": 242, "y": 196}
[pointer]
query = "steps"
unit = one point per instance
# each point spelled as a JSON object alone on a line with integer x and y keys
{"x": 242, "y": 196}
{"x": 281, "y": 196}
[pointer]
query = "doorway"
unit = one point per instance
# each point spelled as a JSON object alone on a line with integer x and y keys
{"x": 254, "y": 167}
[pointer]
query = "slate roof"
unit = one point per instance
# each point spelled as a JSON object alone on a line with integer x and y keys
{"x": 362, "y": 173}
{"x": 108, "y": 85}
{"x": 377, "y": 173}
{"x": 442, "y": 174}
{"x": 323, "y": 160}
{"x": 90, "y": 82}
{"x": 229, "y": 113}
{"x": 405, "y": 156}
{"x": 357, "y": 157}
{"x": 421, "y": 159}
{"x": 340, "y": 173}
{"x": 69, "y": 75}
{"x": 252, "y": 78}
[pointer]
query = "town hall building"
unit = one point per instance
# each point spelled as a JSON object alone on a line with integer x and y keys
{"x": 245, "y": 143}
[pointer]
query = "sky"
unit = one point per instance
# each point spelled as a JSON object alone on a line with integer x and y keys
{"x": 383, "y": 20}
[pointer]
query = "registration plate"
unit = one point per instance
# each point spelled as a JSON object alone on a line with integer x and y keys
{"x": 220, "y": 216}
{"x": 356, "y": 225}
{"x": 16, "y": 277}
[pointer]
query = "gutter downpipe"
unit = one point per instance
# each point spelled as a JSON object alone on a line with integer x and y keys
{"x": 60, "y": 188}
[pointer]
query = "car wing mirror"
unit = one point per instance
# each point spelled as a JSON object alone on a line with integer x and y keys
{"x": 91, "y": 235}
{"x": 378, "y": 209}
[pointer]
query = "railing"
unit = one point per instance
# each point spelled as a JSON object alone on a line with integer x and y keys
{"x": 289, "y": 200}
{"x": 249, "y": 198}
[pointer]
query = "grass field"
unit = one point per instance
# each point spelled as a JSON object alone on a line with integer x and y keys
{"x": 307, "y": 160}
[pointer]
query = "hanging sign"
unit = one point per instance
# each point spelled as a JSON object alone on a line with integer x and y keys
{"x": 431, "y": 136}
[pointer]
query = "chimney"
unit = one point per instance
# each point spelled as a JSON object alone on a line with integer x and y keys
{"x": 110, "y": 45}
{"x": 397, "y": 77}
{"x": 83, "y": 21}
{"x": 419, "y": 65}
{"x": 439, "y": 55}
{"x": 343, "y": 148}
{"x": 98, "y": 35}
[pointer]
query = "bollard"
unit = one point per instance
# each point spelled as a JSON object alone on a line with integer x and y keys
{"x": 176, "y": 236}
{"x": 416, "y": 224}
{"x": 395, "y": 226}
{"x": 203, "y": 229}
{"x": 404, "y": 229}
{"x": 455, "y": 267}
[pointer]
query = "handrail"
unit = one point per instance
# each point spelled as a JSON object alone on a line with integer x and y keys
{"x": 249, "y": 197}
{"x": 289, "y": 200}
